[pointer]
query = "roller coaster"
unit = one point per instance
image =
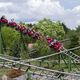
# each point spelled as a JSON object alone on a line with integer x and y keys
{"x": 48, "y": 73}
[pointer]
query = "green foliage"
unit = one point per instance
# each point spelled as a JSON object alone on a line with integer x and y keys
{"x": 78, "y": 31}
{"x": 74, "y": 42}
{"x": 66, "y": 29}
{"x": 10, "y": 36}
{"x": 41, "y": 49}
{"x": 47, "y": 27}
{"x": 74, "y": 39}
{"x": 15, "y": 50}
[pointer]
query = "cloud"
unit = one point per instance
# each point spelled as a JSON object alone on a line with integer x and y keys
{"x": 36, "y": 9}
{"x": 72, "y": 17}
{"x": 2, "y": 4}
{"x": 33, "y": 10}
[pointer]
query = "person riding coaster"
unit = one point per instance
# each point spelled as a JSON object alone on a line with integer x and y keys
{"x": 30, "y": 32}
{"x": 3, "y": 20}
{"x": 12, "y": 24}
{"x": 21, "y": 28}
{"x": 58, "y": 46}
{"x": 53, "y": 43}
{"x": 36, "y": 35}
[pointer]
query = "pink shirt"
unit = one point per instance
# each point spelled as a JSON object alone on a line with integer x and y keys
{"x": 49, "y": 40}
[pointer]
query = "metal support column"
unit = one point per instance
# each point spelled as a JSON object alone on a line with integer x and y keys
{"x": 69, "y": 66}
{"x": 59, "y": 60}
{"x": 0, "y": 41}
{"x": 62, "y": 56}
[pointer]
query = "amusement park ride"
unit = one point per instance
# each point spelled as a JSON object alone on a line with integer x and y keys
{"x": 60, "y": 74}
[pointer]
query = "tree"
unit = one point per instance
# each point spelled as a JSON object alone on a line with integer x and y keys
{"x": 45, "y": 26}
{"x": 16, "y": 50}
{"x": 10, "y": 36}
{"x": 74, "y": 39}
{"x": 78, "y": 31}
{"x": 40, "y": 48}
{"x": 66, "y": 29}
{"x": 12, "y": 39}
{"x": 50, "y": 28}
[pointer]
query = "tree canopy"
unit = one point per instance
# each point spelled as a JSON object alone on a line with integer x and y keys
{"x": 50, "y": 28}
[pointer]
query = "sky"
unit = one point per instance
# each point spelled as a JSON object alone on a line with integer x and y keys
{"x": 67, "y": 11}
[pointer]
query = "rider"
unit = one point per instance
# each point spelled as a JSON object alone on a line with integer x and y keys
{"x": 36, "y": 35}
{"x": 12, "y": 23}
{"x": 30, "y": 32}
{"x": 53, "y": 43}
{"x": 3, "y": 17}
{"x": 3, "y": 20}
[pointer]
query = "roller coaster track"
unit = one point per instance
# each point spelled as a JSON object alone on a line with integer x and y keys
{"x": 26, "y": 64}
{"x": 40, "y": 73}
{"x": 65, "y": 51}
{"x": 72, "y": 55}
{"x": 40, "y": 68}
{"x": 47, "y": 75}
